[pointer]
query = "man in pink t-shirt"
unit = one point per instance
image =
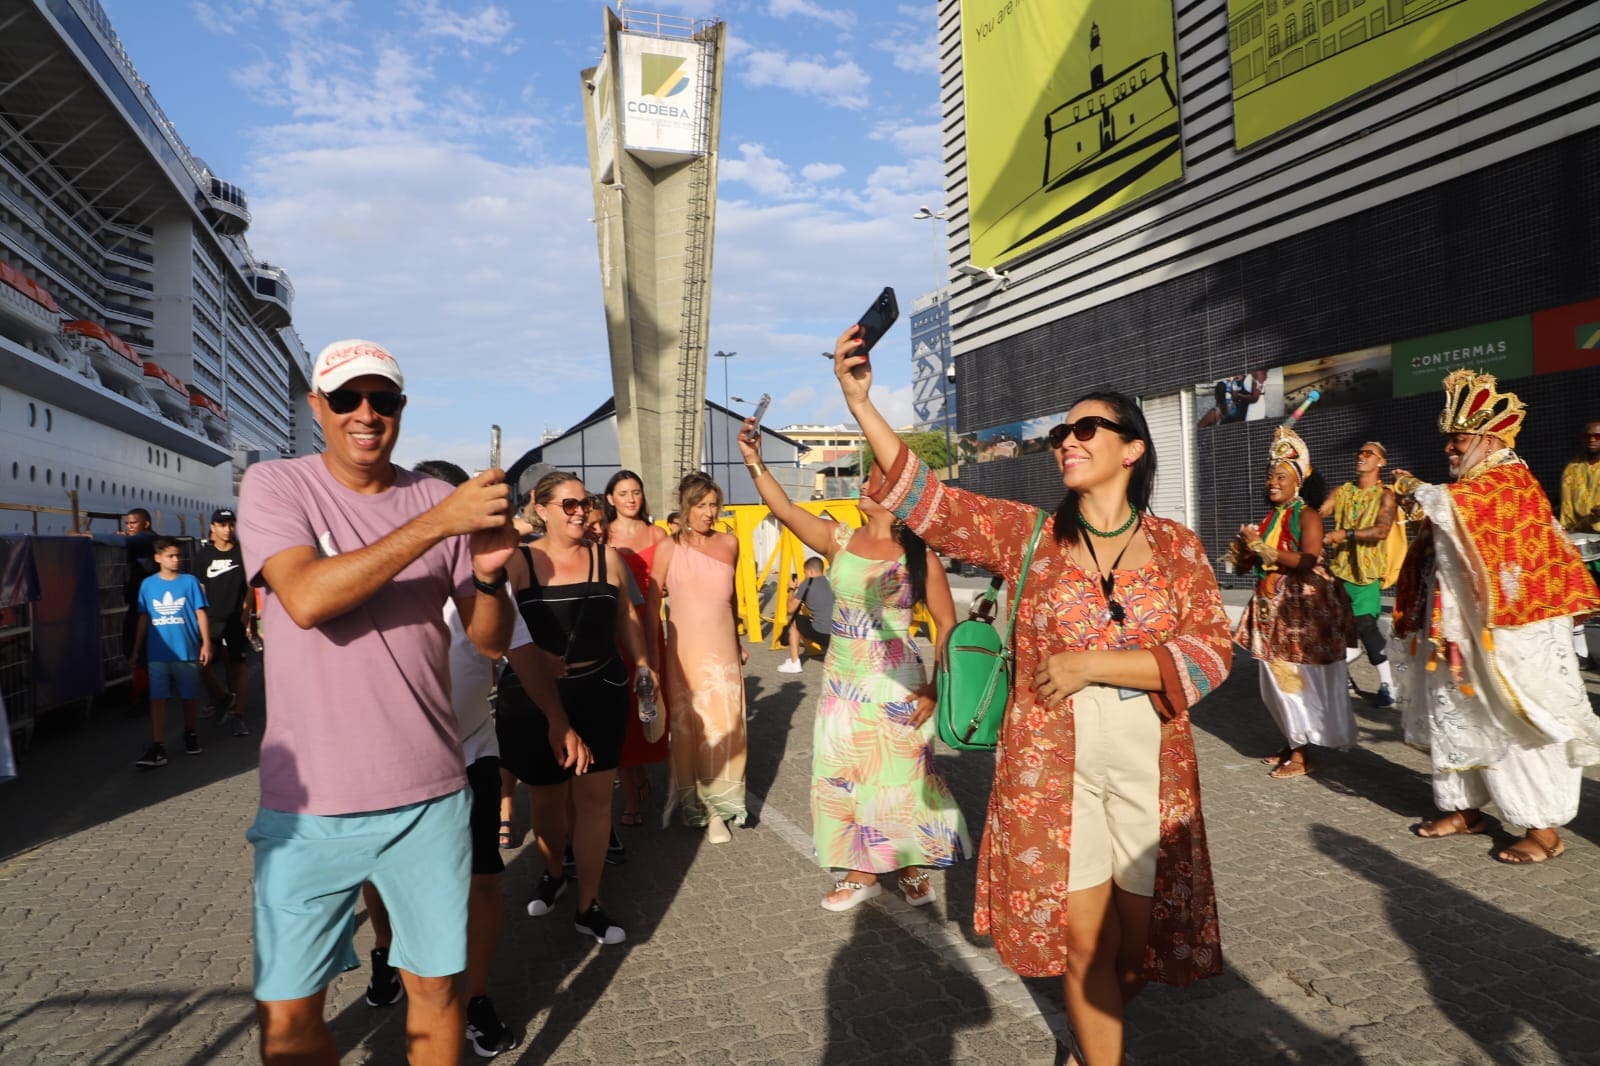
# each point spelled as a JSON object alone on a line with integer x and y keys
{"x": 361, "y": 767}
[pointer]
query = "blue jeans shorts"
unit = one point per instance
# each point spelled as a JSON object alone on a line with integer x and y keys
{"x": 174, "y": 679}
{"x": 309, "y": 871}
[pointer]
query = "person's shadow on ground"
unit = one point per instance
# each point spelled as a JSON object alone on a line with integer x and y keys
{"x": 1492, "y": 974}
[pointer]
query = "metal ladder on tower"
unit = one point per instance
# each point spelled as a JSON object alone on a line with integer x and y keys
{"x": 691, "y": 345}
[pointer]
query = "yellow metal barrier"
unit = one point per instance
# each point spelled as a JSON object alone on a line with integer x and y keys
{"x": 785, "y": 562}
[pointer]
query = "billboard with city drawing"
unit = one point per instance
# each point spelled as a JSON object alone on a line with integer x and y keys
{"x": 1295, "y": 58}
{"x": 1071, "y": 113}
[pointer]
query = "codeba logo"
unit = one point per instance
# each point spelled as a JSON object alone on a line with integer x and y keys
{"x": 663, "y": 75}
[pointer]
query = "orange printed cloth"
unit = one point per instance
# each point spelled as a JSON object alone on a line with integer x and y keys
{"x": 1525, "y": 569}
{"x": 1174, "y": 609}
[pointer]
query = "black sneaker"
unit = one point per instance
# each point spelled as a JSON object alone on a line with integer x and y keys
{"x": 1383, "y": 697}
{"x": 596, "y": 923}
{"x": 545, "y": 894}
{"x": 616, "y": 854}
{"x": 191, "y": 742}
{"x": 484, "y": 1032}
{"x": 155, "y": 755}
{"x": 385, "y": 987}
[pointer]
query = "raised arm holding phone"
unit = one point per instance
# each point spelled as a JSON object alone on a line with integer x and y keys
{"x": 876, "y": 699}
{"x": 1120, "y": 632}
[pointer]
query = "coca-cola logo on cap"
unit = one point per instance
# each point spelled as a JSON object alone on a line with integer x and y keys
{"x": 340, "y": 356}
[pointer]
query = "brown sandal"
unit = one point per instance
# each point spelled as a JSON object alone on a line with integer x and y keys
{"x": 1289, "y": 768}
{"x": 1517, "y": 855}
{"x": 1453, "y": 824}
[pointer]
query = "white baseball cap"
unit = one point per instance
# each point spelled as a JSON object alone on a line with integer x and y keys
{"x": 344, "y": 361}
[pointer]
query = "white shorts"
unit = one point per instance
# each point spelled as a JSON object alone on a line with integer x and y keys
{"x": 1116, "y": 791}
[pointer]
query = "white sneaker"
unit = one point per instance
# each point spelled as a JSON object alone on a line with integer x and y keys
{"x": 717, "y": 831}
{"x": 789, "y": 666}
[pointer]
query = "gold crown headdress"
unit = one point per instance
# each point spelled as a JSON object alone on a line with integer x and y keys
{"x": 1287, "y": 447}
{"x": 1474, "y": 404}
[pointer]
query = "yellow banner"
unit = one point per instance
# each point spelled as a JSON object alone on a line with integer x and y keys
{"x": 1294, "y": 58}
{"x": 1071, "y": 113}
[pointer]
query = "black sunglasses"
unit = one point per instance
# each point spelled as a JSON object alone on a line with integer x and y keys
{"x": 1083, "y": 429}
{"x": 384, "y": 404}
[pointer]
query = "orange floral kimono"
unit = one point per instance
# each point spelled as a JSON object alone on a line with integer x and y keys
{"x": 1027, "y": 843}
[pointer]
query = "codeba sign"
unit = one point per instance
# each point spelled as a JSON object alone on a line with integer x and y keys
{"x": 661, "y": 97}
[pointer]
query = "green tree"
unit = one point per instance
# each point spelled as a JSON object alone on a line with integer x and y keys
{"x": 926, "y": 444}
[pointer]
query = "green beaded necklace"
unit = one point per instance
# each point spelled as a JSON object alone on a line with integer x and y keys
{"x": 1133, "y": 515}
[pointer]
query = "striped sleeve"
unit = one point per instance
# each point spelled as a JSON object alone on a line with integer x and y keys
{"x": 976, "y": 529}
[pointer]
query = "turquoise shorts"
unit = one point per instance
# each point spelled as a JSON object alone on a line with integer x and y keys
{"x": 174, "y": 679}
{"x": 309, "y": 870}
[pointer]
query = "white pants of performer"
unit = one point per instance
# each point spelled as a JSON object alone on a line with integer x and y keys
{"x": 1533, "y": 787}
{"x": 1309, "y": 702}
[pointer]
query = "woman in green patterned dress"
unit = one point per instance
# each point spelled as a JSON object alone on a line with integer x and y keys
{"x": 878, "y": 804}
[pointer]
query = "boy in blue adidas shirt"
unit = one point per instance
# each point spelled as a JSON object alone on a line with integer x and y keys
{"x": 172, "y": 617}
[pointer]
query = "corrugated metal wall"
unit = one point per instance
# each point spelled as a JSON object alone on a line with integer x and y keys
{"x": 1464, "y": 191}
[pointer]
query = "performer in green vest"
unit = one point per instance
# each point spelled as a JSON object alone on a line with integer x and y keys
{"x": 1360, "y": 514}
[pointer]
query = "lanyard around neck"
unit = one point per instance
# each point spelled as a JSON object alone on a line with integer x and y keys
{"x": 1108, "y": 579}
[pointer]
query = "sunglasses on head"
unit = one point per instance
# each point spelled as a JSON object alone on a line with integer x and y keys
{"x": 384, "y": 404}
{"x": 1083, "y": 429}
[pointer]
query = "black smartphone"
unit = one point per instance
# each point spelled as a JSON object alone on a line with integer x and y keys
{"x": 879, "y": 317}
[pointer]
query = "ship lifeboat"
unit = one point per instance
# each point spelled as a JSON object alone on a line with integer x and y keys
{"x": 119, "y": 368}
{"x": 171, "y": 394}
{"x": 26, "y": 302}
{"x": 212, "y": 418}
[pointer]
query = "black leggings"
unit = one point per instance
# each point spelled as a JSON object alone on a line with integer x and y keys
{"x": 1371, "y": 638}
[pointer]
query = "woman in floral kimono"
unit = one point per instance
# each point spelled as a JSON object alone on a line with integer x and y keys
{"x": 878, "y": 803}
{"x": 1094, "y": 862}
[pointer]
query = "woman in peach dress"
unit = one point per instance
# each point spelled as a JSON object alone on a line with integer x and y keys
{"x": 705, "y": 682}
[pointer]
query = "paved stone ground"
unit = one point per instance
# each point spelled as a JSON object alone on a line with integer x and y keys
{"x": 125, "y": 936}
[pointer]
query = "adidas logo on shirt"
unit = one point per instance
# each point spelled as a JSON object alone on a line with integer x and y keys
{"x": 168, "y": 610}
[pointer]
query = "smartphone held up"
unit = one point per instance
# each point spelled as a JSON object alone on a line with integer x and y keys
{"x": 754, "y": 433}
{"x": 883, "y": 313}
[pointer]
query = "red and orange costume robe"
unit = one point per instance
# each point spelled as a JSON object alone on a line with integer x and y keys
{"x": 1023, "y": 863}
{"x": 1488, "y": 681}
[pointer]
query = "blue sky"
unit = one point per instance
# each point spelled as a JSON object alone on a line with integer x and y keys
{"x": 419, "y": 168}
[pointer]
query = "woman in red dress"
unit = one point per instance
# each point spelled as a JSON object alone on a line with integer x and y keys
{"x": 636, "y": 538}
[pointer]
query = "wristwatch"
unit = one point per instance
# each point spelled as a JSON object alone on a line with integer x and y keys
{"x": 490, "y": 587}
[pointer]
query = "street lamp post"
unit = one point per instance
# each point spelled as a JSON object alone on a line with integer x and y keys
{"x": 941, "y": 343}
{"x": 724, "y": 356}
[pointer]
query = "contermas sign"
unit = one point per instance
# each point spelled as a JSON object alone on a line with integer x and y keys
{"x": 662, "y": 97}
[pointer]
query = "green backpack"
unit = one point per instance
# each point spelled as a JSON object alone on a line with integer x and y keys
{"x": 974, "y": 680}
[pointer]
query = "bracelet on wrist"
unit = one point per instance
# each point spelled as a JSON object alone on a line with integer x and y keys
{"x": 490, "y": 588}
{"x": 756, "y": 469}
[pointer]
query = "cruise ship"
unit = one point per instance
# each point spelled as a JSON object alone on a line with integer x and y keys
{"x": 146, "y": 354}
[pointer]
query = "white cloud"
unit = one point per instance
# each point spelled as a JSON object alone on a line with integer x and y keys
{"x": 488, "y": 27}
{"x": 841, "y": 83}
{"x": 211, "y": 19}
{"x": 926, "y": 139}
{"x": 912, "y": 43}
{"x": 763, "y": 173}
{"x": 821, "y": 172}
{"x": 782, "y": 9}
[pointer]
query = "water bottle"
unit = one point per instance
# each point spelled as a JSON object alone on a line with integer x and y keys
{"x": 644, "y": 686}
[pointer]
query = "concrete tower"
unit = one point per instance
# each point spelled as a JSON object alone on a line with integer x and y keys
{"x": 653, "y": 118}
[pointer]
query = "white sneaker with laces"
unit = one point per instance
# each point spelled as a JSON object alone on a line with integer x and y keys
{"x": 790, "y": 666}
